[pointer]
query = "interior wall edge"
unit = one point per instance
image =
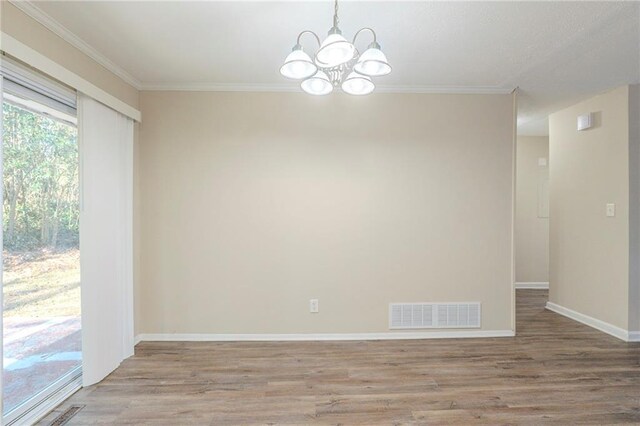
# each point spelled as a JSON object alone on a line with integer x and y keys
{"x": 634, "y": 207}
{"x": 514, "y": 170}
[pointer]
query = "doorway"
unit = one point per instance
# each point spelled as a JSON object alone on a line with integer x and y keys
{"x": 532, "y": 223}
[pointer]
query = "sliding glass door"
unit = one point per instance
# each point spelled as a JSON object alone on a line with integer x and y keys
{"x": 41, "y": 257}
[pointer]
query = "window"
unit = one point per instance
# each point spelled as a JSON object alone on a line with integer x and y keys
{"x": 41, "y": 258}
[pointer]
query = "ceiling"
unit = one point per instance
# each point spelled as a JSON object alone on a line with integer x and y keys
{"x": 555, "y": 53}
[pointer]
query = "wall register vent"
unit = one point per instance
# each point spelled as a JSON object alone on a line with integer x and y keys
{"x": 434, "y": 315}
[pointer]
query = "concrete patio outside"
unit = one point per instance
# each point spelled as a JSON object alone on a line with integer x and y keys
{"x": 37, "y": 352}
{"x": 41, "y": 319}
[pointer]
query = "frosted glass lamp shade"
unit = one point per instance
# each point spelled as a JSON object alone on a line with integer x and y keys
{"x": 298, "y": 65}
{"x": 319, "y": 84}
{"x": 335, "y": 50}
{"x": 373, "y": 63}
{"x": 358, "y": 84}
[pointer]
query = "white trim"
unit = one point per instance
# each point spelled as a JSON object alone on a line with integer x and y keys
{"x": 605, "y": 327}
{"x": 47, "y": 405}
{"x": 447, "y": 90}
{"x": 532, "y": 285}
{"x": 178, "y": 337}
{"x": 40, "y": 108}
{"x": 28, "y": 7}
{"x": 241, "y": 87}
{"x": 34, "y": 82}
{"x": 512, "y": 224}
{"x": 40, "y": 62}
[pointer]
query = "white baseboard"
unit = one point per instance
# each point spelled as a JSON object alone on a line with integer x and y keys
{"x": 532, "y": 285}
{"x": 634, "y": 336}
{"x": 457, "y": 334}
{"x": 605, "y": 327}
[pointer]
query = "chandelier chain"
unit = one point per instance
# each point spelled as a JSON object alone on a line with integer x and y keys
{"x": 335, "y": 15}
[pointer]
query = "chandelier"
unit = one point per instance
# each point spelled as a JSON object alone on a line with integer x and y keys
{"x": 337, "y": 63}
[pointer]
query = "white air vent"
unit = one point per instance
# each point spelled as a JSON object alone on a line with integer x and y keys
{"x": 585, "y": 121}
{"x": 434, "y": 315}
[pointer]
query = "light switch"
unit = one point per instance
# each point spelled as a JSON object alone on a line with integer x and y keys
{"x": 314, "y": 306}
{"x": 611, "y": 210}
{"x": 542, "y": 162}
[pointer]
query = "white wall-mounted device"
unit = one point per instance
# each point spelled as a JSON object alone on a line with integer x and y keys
{"x": 611, "y": 210}
{"x": 585, "y": 121}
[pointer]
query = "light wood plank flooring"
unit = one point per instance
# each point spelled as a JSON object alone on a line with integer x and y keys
{"x": 555, "y": 371}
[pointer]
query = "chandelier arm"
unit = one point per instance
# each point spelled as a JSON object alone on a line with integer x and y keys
{"x": 365, "y": 29}
{"x": 309, "y": 32}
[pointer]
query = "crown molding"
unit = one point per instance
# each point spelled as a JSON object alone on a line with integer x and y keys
{"x": 61, "y": 31}
{"x": 218, "y": 87}
{"x": 232, "y": 87}
{"x": 448, "y": 90}
{"x": 28, "y": 7}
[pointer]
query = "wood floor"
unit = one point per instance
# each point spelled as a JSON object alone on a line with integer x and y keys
{"x": 555, "y": 371}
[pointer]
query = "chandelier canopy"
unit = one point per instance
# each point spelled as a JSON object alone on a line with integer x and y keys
{"x": 337, "y": 63}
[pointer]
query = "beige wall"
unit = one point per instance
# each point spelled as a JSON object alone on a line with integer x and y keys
{"x": 254, "y": 203}
{"x": 532, "y": 227}
{"x": 589, "y": 252}
{"x": 25, "y": 29}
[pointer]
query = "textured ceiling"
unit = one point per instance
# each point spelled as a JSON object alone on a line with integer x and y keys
{"x": 556, "y": 53}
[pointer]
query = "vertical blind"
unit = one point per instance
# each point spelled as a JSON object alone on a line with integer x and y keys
{"x": 106, "y": 237}
{"x": 1, "y": 251}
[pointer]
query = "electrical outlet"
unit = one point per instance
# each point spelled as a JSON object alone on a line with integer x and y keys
{"x": 314, "y": 307}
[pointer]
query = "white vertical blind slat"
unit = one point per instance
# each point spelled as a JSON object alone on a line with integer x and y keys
{"x": 1, "y": 251}
{"x": 106, "y": 151}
